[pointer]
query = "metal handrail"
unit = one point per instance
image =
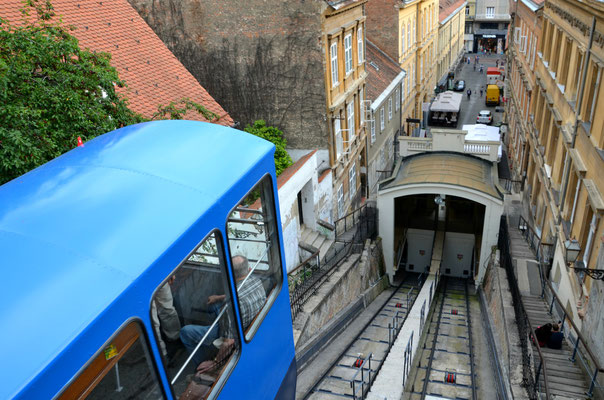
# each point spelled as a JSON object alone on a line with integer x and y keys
{"x": 580, "y": 339}
{"x": 521, "y": 315}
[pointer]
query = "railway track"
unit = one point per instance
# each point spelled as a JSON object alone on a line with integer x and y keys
{"x": 351, "y": 375}
{"x": 445, "y": 368}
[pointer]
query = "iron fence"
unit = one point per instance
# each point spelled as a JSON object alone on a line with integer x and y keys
{"x": 308, "y": 277}
{"x": 531, "y": 372}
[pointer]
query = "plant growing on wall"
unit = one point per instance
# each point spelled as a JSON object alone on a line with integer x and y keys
{"x": 275, "y": 136}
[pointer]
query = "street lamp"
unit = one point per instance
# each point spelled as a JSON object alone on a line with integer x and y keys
{"x": 573, "y": 248}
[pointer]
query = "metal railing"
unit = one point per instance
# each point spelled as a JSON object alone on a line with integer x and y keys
{"x": 511, "y": 185}
{"x": 347, "y": 242}
{"x": 531, "y": 374}
{"x": 543, "y": 251}
{"x": 580, "y": 347}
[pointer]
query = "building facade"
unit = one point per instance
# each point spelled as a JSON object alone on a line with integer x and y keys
{"x": 487, "y": 26}
{"x": 451, "y": 28}
{"x": 385, "y": 85}
{"x": 563, "y": 121}
{"x": 407, "y": 32}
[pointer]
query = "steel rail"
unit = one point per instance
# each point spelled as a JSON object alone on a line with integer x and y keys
{"x": 433, "y": 349}
{"x": 343, "y": 353}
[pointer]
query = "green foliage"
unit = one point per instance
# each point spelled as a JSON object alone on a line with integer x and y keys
{"x": 275, "y": 136}
{"x": 51, "y": 92}
{"x": 178, "y": 109}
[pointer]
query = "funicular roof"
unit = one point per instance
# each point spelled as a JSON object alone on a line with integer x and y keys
{"x": 448, "y": 168}
{"x": 79, "y": 230}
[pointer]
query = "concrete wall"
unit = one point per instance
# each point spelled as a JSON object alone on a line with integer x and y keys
{"x": 344, "y": 287}
{"x": 501, "y": 322}
{"x": 593, "y": 325}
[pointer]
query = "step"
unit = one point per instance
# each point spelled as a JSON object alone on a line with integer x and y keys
{"x": 325, "y": 247}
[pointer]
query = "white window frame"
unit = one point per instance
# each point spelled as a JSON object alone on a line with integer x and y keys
{"x": 350, "y": 121}
{"x": 590, "y": 238}
{"x": 352, "y": 180}
{"x": 348, "y": 53}
{"x": 337, "y": 129}
{"x": 360, "y": 46}
{"x": 398, "y": 99}
{"x": 341, "y": 200}
{"x": 382, "y": 119}
{"x": 333, "y": 49}
{"x": 389, "y": 108}
{"x": 403, "y": 48}
{"x": 373, "y": 130}
{"x": 408, "y": 34}
{"x": 414, "y": 35}
{"x": 490, "y": 14}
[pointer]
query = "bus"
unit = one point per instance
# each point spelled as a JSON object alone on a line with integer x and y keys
{"x": 147, "y": 264}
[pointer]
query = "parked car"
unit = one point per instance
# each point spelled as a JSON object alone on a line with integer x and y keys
{"x": 460, "y": 86}
{"x": 484, "y": 117}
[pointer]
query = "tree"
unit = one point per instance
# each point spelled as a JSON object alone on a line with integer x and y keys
{"x": 51, "y": 92}
{"x": 275, "y": 136}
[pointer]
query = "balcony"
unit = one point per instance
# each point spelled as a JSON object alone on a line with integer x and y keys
{"x": 450, "y": 140}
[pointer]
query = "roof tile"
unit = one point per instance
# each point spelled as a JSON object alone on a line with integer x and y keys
{"x": 153, "y": 74}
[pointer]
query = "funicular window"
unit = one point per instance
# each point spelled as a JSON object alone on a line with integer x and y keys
{"x": 254, "y": 245}
{"x": 121, "y": 370}
{"x": 193, "y": 320}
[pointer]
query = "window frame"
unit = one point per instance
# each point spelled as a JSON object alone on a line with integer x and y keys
{"x": 350, "y": 120}
{"x": 490, "y": 14}
{"x": 333, "y": 52}
{"x": 352, "y": 180}
{"x": 389, "y": 108}
{"x": 348, "y": 67}
{"x": 382, "y": 119}
{"x": 145, "y": 341}
{"x": 340, "y": 200}
{"x": 249, "y": 335}
{"x": 225, "y": 268}
{"x": 360, "y": 46}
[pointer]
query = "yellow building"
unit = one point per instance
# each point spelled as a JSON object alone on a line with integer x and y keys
{"x": 564, "y": 138}
{"x": 344, "y": 41}
{"x": 451, "y": 28}
{"x": 409, "y": 35}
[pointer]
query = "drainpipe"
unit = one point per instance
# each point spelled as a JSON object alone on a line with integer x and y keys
{"x": 577, "y": 112}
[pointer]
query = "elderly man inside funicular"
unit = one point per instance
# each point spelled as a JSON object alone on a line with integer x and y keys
{"x": 251, "y": 297}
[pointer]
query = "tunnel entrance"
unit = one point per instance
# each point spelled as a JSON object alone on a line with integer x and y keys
{"x": 418, "y": 218}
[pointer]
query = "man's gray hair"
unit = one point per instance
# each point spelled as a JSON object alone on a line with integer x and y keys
{"x": 240, "y": 265}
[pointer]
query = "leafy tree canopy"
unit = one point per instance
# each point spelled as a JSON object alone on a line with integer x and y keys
{"x": 52, "y": 91}
{"x": 275, "y": 136}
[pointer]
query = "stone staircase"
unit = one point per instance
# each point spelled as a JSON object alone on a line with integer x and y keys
{"x": 315, "y": 239}
{"x": 566, "y": 379}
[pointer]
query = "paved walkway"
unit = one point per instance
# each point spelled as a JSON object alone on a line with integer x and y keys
{"x": 565, "y": 379}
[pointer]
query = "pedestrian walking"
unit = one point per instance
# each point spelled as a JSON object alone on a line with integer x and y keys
{"x": 474, "y": 66}
{"x": 469, "y": 92}
{"x": 477, "y": 59}
{"x": 480, "y": 92}
{"x": 497, "y": 63}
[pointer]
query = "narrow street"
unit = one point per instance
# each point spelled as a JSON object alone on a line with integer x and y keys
{"x": 475, "y": 81}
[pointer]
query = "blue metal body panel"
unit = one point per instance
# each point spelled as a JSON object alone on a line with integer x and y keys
{"x": 86, "y": 239}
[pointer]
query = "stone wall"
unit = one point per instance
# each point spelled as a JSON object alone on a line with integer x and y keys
{"x": 593, "y": 323}
{"x": 260, "y": 59}
{"x": 346, "y": 286}
{"x": 497, "y": 298}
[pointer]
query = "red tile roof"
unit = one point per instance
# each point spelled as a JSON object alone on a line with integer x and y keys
{"x": 381, "y": 71}
{"x": 446, "y": 7}
{"x": 153, "y": 74}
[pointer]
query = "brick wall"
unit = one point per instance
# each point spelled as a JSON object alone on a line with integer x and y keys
{"x": 261, "y": 59}
{"x": 382, "y": 25}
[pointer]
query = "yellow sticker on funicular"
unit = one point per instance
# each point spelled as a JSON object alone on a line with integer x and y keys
{"x": 110, "y": 352}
